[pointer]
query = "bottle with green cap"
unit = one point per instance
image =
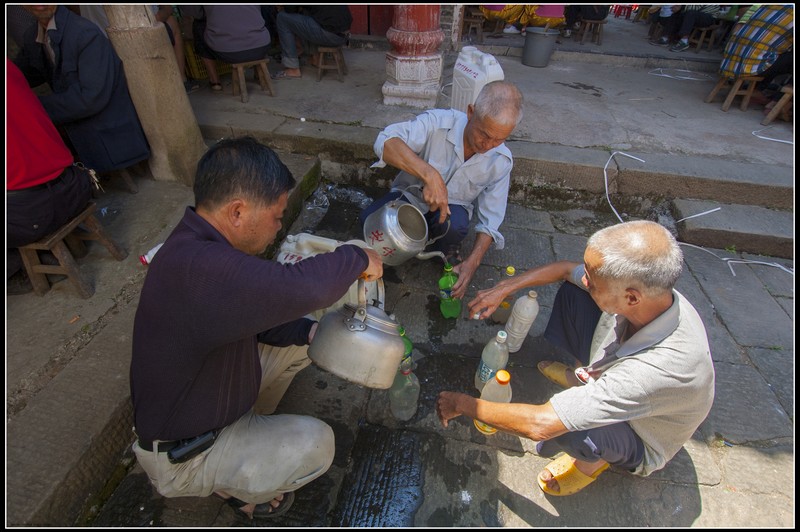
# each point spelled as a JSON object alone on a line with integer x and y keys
{"x": 504, "y": 309}
{"x": 497, "y": 390}
{"x": 448, "y": 305}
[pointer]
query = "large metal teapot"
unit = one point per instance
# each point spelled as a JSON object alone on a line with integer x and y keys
{"x": 359, "y": 343}
{"x": 398, "y": 231}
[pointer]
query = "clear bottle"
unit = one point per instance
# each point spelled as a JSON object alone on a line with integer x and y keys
{"x": 449, "y": 306}
{"x": 504, "y": 309}
{"x": 523, "y": 314}
{"x": 404, "y": 392}
{"x": 147, "y": 258}
{"x": 497, "y": 390}
{"x": 408, "y": 347}
{"x": 493, "y": 358}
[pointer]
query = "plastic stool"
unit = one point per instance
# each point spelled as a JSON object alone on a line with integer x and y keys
{"x": 749, "y": 83}
{"x": 338, "y": 63}
{"x": 240, "y": 84}
{"x": 66, "y": 244}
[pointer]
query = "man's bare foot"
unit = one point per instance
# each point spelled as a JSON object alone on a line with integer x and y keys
{"x": 275, "y": 507}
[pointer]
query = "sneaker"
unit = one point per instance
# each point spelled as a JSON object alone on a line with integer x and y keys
{"x": 679, "y": 46}
{"x": 663, "y": 41}
{"x": 510, "y": 29}
{"x": 567, "y": 34}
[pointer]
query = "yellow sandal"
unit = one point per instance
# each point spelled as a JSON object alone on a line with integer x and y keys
{"x": 570, "y": 479}
{"x": 556, "y": 372}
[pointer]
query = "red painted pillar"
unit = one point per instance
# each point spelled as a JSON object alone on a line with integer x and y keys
{"x": 414, "y": 65}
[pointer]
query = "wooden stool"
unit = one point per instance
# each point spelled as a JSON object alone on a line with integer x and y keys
{"x": 595, "y": 27}
{"x": 474, "y": 19}
{"x": 338, "y": 64}
{"x": 782, "y": 107}
{"x": 66, "y": 244}
{"x": 736, "y": 90}
{"x": 240, "y": 84}
{"x": 699, "y": 35}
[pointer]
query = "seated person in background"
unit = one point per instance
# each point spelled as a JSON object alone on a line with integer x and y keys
{"x": 164, "y": 14}
{"x": 668, "y": 15}
{"x": 646, "y": 380}
{"x": 313, "y": 26}
{"x": 693, "y": 16}
{"x": 44, "y": 189}
{"x": 515, "y": 16}
{"x": 461, "y": 161}
{"x": 575, "y": 13}
{"x": 89, "y": 99}
{"x": 762, "y": 46}
{"x": 546, "y": 15}
{"x": 232, "y": 34}
{"x": 220, "y": 333}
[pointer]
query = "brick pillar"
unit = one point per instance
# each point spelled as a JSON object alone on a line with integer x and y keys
{"x": 414, "y": 65}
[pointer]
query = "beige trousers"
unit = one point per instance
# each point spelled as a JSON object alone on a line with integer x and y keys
{"x": 259, "y": 456}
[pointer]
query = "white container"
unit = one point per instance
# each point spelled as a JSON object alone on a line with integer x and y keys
{"x": 301, "y": 246}
{"x": 493, "y": 358}
{"x": 473, "y": 70}
{"x": 523, "y": 314}
{"x": 497, "y": 390}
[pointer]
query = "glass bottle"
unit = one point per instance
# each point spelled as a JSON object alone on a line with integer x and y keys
{"x": 449, "y": 306}
{"x": 504, "y": 309}
{"x": 523, "y": 314}
{"x": 404, "y": 392}
{"x": 493, "y": 358}
{"x": 497, "y": 390}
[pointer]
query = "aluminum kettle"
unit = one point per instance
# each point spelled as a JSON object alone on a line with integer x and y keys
{"x": 360, "y": 343}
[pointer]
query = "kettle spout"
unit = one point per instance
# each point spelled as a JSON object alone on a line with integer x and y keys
{"x": 425, "y": 255}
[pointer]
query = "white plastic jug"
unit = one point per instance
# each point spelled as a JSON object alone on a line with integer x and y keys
{"x": 301, "y": 246}
{"x": 473, "y": 70}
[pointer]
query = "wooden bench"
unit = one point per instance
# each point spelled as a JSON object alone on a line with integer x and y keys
{"x": 593, "y": 27}
{"x": 749, "y": 83}
{"x": 331, "y": 58}
{"x": 66, "y": 244}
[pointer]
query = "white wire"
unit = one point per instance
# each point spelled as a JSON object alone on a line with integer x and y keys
{"x": 699, "y": 214}
{"x": 660, "y": 72}
{"x": 605, "y": 177}
{"x": 756, "y": 134}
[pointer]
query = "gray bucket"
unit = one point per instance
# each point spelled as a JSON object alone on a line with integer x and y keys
{"x": 539, "y": 45}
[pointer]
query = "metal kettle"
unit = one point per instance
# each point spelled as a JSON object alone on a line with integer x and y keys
{"x": 359, "y": 343}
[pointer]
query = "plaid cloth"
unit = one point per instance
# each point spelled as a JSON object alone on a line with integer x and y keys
{"x": 757, "y": 44}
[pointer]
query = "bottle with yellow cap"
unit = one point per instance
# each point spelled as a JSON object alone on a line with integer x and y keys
{"x": 503, "y": 311}
{"x": 497, "y": 390}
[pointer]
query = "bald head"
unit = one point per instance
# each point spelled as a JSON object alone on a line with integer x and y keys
{"x": 641, "y": 253}
{"x": 501, "y": 101}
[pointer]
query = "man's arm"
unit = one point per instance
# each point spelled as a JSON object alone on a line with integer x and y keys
{"x": 487, "y": 301}
{"x": 397, "y": 153}
{"x": 535, "y": 422}
{"x": 466, "y": 269}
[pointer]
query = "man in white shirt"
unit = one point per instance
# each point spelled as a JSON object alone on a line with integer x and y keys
{"x": 645, "y": 380}
{"x": 451, "y": 164}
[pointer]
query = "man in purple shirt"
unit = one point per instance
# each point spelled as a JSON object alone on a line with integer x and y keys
{"x": 219, "y": 335}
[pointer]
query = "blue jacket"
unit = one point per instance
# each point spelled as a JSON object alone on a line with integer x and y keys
{"x": 89, "y": 99}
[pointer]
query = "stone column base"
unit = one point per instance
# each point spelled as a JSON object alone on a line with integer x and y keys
{"x": 412, "y": 80}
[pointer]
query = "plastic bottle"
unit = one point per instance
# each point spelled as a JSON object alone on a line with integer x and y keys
{"x": 449, "y": 306}
{"x": 522, "y": 317}
{"x": 497, "y": 390}
{"x": 404, "y": 392}
{"x": 409, "y": 347}
{"x": 147, "y": 258}
{"x": 504, "y": 309}
{"x": 493, "y": 359}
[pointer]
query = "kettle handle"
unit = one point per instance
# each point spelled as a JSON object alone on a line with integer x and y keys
{"x": 362, "y": 296}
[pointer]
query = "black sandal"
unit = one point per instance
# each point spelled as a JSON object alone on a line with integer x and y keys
{"x": 263, "y": 510}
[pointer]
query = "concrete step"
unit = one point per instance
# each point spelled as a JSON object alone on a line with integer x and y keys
{"x": 743, "y": 228}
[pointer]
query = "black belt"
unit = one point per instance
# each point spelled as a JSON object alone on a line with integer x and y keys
{"x": 41, "y": 186}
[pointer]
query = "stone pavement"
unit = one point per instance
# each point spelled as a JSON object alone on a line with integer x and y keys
{"x": 68, "y": 405}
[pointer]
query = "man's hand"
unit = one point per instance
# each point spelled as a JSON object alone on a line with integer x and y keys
{"x": 446, "y": 407}
{"x": 374, "y": 268}
{"x": 435, "y": 194}
{"x": 465, "y": 270}
{"x": 486, "y": 302}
